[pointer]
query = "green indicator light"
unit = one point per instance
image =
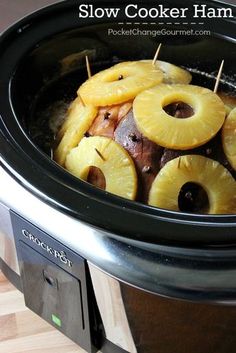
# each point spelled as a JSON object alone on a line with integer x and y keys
{"x": 56, "y": 320}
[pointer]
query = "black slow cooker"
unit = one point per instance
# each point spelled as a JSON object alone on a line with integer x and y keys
{"x": 126, "y": 277}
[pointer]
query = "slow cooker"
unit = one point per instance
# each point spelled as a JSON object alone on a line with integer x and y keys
{"x": 111, "y": 274}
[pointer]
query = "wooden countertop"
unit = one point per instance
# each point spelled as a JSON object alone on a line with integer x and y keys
{"x": 22, "y": 331}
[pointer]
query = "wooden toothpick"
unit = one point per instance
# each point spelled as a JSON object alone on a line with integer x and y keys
{"x": 179, "y": 162}
{"x": 83, "y": 104}
{"x": 88, "y": 66}
{"x": 219, "y": 77}
{"x": 157, "y": 54}
{"x": 100, "y": 155}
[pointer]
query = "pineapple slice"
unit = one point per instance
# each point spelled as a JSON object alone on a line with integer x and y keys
{"x": 120, "y": 83}
{"x": 172, "y": 74}
{"x": 167, "y": 131}
{"x": 229, "y": 101}
{"x": 71, "y": 115}
{"x": 78, "y": 121}
{"x": 209, "y": 174}
{"x": 228, "y": 109}
{"x": 112, "y": 159}
{"x": 229, "y": 138}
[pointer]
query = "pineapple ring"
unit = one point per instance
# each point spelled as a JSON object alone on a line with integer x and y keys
{"x": 229, "y": 138}
{"x": 172, "y": 73}
{"x": 71, "y": 115}
{"x": 112, "y": 159}
{"x": 229, "y": 101}
{"x": 207, "y": 173}
{"x": 120, "y": 83}
{"x": 78, "y": 121}
{"x": 170, "y": 132}
{"x": 228, "y": 109}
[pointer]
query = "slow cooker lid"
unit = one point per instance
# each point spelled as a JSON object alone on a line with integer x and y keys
{"x": 35, "y": 171}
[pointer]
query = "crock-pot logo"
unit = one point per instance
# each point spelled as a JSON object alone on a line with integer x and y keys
{"x": 60, "y": 255}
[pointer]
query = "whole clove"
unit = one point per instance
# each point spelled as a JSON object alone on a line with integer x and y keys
{"x": 133, "y": 137}
{"x": 107, "y": 115}
{"x": 147, "y": 169}
{"x": 208, "y": 151}
{"x": 189, "y": 196}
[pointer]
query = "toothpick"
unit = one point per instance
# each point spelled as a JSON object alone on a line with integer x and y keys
{"x": 88, "y": 66}
{"x": 179, "y": 162}
{"x": 83, "y": 104}
{"x": 156, "y": 55}
{"x": 100, "y": 155}
{"x": 219, "y": 77}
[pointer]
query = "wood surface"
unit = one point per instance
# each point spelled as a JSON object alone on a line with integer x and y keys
{"x": 22, "y": 331}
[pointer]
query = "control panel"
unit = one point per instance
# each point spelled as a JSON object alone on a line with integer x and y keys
{"x": 56, "y": 284}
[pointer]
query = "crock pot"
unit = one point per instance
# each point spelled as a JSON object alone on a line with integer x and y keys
{"x": 111, "y": 274}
